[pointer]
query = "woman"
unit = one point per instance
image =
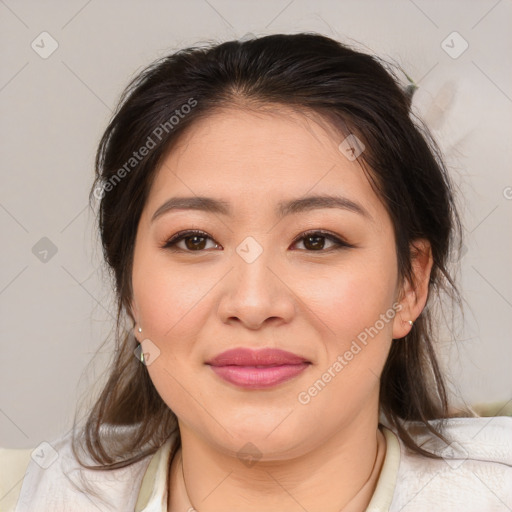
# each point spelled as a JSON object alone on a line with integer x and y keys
{"x": 276, "y": 224}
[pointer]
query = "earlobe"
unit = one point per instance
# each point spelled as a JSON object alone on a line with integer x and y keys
{"x": 414, "y": 294}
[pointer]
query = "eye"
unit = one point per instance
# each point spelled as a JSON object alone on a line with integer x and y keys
{"x": 314, "y": 241}
{"x": 194, "y": 240}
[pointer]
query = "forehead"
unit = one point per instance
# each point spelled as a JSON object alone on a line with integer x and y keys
{"x": 275, "y": 134}
{"x": 244, "y": 155}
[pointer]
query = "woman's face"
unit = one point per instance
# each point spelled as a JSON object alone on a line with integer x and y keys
{"x": 253, "y": 280}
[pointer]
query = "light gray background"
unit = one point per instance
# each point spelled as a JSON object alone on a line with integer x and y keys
{"x": 56, "y": 313}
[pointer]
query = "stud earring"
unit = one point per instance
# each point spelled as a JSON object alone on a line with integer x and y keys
{"x": 140, "y": 329}
{"x": 411, "y": 323}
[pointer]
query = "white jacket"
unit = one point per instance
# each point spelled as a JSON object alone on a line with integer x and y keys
{"x": 474, "y": 475}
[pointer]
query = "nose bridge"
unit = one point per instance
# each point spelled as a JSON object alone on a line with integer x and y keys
{"x": 252, "y": 259}
{"x": 255, "y": 292}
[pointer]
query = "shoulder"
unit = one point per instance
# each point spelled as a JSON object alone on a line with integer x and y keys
{"x": 49, "y": 478}
{"x": 473, "y": 473}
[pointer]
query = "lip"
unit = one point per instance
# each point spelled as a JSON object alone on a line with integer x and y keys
{"x": 257, "y": 369}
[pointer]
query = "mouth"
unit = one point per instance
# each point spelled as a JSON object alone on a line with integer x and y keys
{"x": 257, "y": 369}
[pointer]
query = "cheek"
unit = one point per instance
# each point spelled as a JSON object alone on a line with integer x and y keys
{"x": 356, "y": 304}
{"x": 168, "y": 298}
{"x": 353, "y": 297}
{"x": 356, "y": 313}
{"x": 173, "y": 307}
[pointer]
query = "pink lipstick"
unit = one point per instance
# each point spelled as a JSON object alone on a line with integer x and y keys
{"x": 257, "y": 369}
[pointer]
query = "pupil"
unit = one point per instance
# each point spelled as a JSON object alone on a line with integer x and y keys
{"x": 316, "y": 244}
{"x": 193, "y": 240}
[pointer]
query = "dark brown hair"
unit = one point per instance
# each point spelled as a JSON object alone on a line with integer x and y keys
{"x": 354, "y": 92}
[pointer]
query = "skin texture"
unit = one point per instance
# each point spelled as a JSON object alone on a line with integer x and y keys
{"x": 312, "y": 302}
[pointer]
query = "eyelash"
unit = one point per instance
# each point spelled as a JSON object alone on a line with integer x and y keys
{"x": 182, "y": 235}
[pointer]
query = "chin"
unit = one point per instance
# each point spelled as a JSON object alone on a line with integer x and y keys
{"x": 262, "y": 450}
{"x": 269, "y": 440}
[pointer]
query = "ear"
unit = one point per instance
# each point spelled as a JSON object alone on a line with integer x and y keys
{"x": 413, "y": 296}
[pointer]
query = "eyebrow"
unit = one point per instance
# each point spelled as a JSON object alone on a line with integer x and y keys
{"x": 284, "y": 208}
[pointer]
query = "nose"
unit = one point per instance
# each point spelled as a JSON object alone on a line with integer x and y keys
{"x": 256, "y": 291}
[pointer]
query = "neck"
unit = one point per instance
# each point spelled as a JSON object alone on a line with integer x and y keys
{"x": 339, "y": 475}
